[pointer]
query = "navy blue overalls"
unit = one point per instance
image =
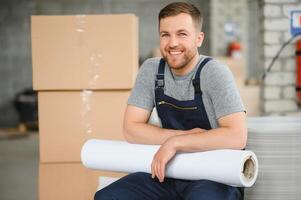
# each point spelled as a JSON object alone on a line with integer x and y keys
{"x": 179, "y": 115}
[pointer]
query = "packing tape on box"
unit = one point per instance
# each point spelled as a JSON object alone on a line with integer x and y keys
{"x": 94, "y": 69}
{"x": 232, "y": 167}
{"x": 86, "y": 118}
{"x": 80, "y": 23}
{"x": 95, "y": 57}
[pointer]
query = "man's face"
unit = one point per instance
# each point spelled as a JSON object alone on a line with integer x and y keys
{"x": 179, "y": 40}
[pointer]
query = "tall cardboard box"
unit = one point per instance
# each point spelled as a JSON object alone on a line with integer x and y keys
{"x": 238, "y": 68}
{"x": 250, "y": 95}
{"x": 76, "y": 52}
{"x": 69, "y": 181}
{"x": 67, "y": 119}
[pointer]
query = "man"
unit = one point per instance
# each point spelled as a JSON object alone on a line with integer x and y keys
{"x": 199, "y": 107}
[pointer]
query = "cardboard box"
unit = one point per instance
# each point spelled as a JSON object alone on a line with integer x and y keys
{"x": 67, "y": 119}
{"x": 84, "y": 51}
{"x": 237, "y": 67}
{"x": 250, "y": 95}
{"x": 69, "y": 181}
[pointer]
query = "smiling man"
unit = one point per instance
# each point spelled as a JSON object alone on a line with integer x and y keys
{"x": 199, "y": 107}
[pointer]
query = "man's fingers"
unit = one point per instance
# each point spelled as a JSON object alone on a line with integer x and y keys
{"x": 161, "y": 171}
{"x": 152, "y": 169}
{"x": 156, "y": 169}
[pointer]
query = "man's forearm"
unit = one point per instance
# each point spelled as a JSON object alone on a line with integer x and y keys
{"x": 142, "y": 133}
{"x": 219, "y": 138}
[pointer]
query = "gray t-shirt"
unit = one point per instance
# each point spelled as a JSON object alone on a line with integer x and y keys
{"x": 220, "y": 95}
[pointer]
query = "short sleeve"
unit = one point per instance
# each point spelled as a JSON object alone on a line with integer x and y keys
{"x": 142, "y": 94}
{"x": 220, "y": 86}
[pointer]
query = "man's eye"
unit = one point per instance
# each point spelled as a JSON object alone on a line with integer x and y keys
{"x": 182, "y": 34}
{"x": 164, "y": 35}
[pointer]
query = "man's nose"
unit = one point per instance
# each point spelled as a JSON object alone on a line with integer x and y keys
{"x": 173, "y": 41}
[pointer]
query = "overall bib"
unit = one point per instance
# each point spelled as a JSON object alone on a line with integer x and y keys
{"x": 179, "y": 115}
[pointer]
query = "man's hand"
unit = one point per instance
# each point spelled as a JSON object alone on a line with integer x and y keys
{"x": 165, "y": 153}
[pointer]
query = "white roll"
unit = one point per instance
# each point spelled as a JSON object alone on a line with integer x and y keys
{"x": 232, "y": 167}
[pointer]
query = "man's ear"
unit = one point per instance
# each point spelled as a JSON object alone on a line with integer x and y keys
{"x": 200, "y": 38}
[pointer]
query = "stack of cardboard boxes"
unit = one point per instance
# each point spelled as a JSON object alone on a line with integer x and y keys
{"x": 84, "y": 67}
{"x": 250, "y": 94}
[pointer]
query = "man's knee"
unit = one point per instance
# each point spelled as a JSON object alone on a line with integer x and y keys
{"x": 210, "y": 190}
{"x": 121, "y": 186}
{"x": 139, "y": 175}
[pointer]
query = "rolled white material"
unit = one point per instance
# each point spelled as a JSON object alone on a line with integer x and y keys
{"x": 231, "y": 167}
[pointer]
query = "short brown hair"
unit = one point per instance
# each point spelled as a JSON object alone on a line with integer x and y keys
{"x": 177, "y": 8}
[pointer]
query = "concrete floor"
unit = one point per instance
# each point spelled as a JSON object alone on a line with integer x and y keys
{"x": 19, "y": 163}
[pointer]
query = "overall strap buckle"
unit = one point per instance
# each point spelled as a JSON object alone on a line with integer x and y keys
{"x": 160, "y": 81}
{"x": 160, "y": 74}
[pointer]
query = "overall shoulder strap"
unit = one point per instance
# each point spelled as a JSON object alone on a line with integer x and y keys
{"x": 196, "y": 80}
{"x": 160, "y": 74}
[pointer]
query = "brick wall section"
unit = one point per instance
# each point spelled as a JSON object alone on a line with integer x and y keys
{"x": 278, "y": 92}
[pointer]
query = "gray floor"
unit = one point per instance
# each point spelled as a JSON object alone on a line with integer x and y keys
{"x": 19, "y": 163}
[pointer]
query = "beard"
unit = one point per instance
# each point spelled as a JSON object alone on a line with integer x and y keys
{"x": 178, "y": 62}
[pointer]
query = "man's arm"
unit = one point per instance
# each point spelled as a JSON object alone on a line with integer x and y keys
{"x": 231, "y": 134}
{"x": 136, "y": 129}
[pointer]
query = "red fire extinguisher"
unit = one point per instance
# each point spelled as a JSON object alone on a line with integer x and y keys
{"x": 234, "y": 50}
{"x": 298, "y": 70}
